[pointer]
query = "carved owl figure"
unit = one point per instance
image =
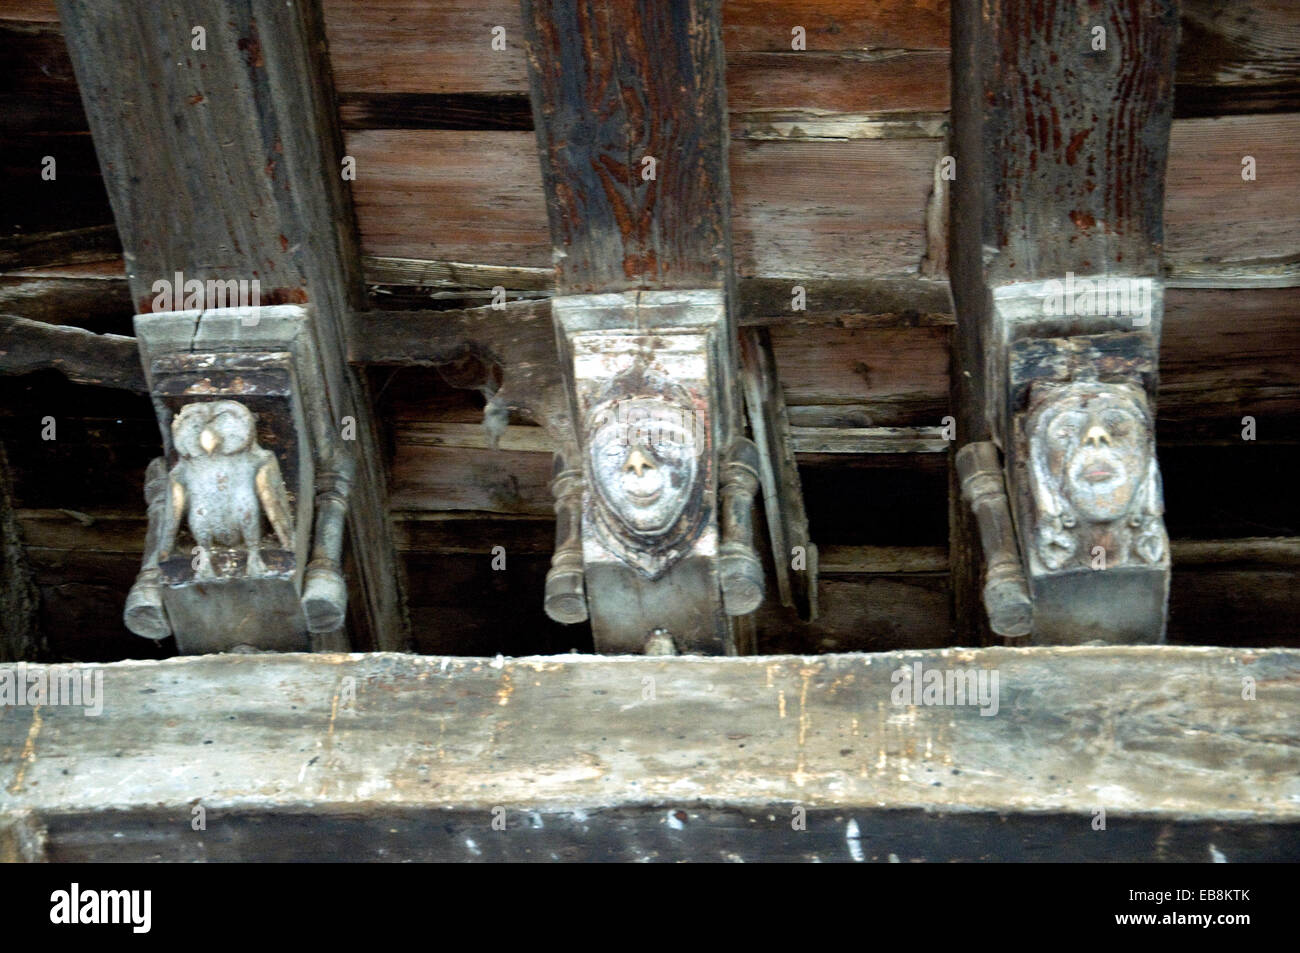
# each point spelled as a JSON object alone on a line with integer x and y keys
{"x": 222, "y": 484}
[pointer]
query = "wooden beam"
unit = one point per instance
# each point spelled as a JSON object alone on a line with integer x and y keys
{"x": 258, "y": 195}
{"x": 20, "y": 638}
{"x": 630, "y": 121}
{"x": 556, "y": 745}
{"x": 1062, "y": 122}
{"x": 107, "y": 360}
{"x": 794, "y": 554}
{"x": 95, "y": 243}
{"x": 631, "y": 126}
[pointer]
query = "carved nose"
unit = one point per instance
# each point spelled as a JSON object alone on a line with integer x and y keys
{"x": 637, "y": 461}
{"x": 208, "y": 441}
{"x": 1097, "y": 436}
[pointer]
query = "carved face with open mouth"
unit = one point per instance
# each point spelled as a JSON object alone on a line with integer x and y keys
{"x": 1094, "y": 446}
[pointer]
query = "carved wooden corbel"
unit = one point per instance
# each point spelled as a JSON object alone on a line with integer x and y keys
{"x": 660, "y": 513}
{"x": 630, "y": 114}
{"x": 246, "y": 510}
{"x": 1062, "y": 126}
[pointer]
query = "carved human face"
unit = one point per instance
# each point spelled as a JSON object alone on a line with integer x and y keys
{"x": 1096, "y": 448}
{"x": 645, "y": 461}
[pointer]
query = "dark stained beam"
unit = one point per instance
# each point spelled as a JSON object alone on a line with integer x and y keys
{"x": 569, "y": 754}
{"x": 96, "y": 243}
{"x": 20, "y": 638}
{"x": 620, "y": 91}
{"x": 1061, "y": 118}
{"x": 629, "y": 107}
{"x": 225, "y": 163}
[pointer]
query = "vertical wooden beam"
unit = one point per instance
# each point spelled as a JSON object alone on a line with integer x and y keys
{"x": 615, "y": 84}
{"x": 631, "y": 120}
{"x": 218, "y": 141}
{"x": 1062, "y": 114}
{"x": 794, "y": 555}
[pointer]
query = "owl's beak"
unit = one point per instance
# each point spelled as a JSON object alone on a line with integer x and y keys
{"x": 208, "y": 440}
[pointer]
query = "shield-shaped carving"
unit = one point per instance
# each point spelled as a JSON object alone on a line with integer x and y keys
{"x": 646, "y": 455}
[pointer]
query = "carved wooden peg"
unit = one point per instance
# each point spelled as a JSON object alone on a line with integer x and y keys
{"x": 566, "y": 596}
{"x": 742, "y": 573}
{"x": 1006, "y": 594}
{"x": 324, "y": 590}
{"x": 252, "y": 466}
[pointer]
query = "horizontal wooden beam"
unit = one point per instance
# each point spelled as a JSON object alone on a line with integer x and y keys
{"x": 108, "y": 360}
{"x": 455, "y": 532}
{"x": 571, "y": 742}
{"x": 804, "y": 439}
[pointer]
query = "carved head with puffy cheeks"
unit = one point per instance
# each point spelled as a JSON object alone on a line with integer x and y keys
{"x": 1092, "y": 458}
{"x": 644, "y": 454}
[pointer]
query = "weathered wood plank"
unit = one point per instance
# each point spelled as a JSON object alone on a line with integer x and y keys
{"x": 258, "y": 196}
{"x": 635, "y": 199}
{"x": 626, "y": 835}
{"x": 96, "y": 243}
{"x": 108, "y": 360}
{"x": 802, "y": 439}
{"x": 403, "y": 46}
{"x": 1237, "y": 57}
{"x": 809, "y": 209}
{"x": 22, "y": 839}
{"x": 1234, "y": 56}
{"x": 809, "y": 90}
{"x": 374, "y": 736}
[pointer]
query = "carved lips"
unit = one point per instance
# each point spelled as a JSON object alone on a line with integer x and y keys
{"x": 1092, "y": 459}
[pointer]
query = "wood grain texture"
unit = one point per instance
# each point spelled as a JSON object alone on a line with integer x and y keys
{"x": 108, "y": 360}
{"x": 552, "y": 734}
{"x": 19, "y": 637}
{"x": 1234, "y": 56}
{"x": 1215, "y": 219}
{"x": 614, "y": 87}
{"x": 1238, "y": 57}
{"x": 408, "y": 46}
{"x": 1075, "y": 138}
{"x": 240, "y": 180}
{"x": 808, "y": 210}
